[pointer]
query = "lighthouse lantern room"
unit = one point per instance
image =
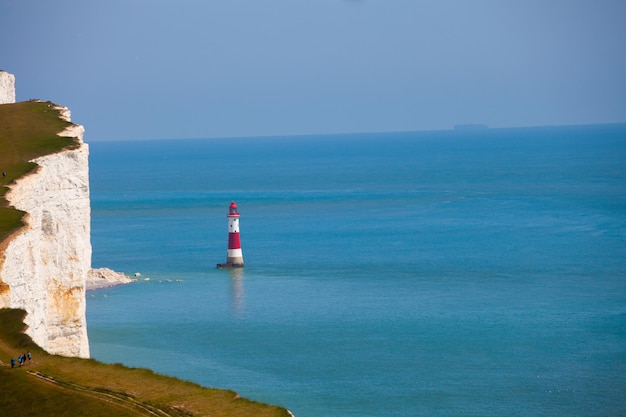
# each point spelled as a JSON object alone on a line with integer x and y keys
{"x": 234, "y": 256}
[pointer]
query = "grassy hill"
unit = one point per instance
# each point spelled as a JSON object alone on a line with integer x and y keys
{"x": 57, "y": 386}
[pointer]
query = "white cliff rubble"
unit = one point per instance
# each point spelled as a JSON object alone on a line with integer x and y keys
{"x": 104, "y": 278}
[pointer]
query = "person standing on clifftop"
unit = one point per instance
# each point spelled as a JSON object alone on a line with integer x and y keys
{"x": 12, "y": 362}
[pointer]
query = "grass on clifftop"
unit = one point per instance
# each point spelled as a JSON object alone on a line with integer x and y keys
{"x": 58, "y": 386}
{"x": 27, "y": 130}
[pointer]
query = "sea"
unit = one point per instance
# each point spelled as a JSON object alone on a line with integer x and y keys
{"x": 469, "y": 272}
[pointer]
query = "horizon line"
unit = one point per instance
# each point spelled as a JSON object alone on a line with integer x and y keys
{"x": 461, "y": 127}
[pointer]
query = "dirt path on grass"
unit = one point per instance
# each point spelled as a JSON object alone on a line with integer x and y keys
{"x": 112, "y": 397}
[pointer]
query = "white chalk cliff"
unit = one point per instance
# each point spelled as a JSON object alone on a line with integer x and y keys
{"x": 44, "y": 265}
{"x": 7, "y": 87}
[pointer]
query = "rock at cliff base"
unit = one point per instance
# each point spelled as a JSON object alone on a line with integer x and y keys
{"x": 104, "y": 278}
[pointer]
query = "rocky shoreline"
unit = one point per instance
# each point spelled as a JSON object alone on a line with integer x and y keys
{"x": 104, "y": 278}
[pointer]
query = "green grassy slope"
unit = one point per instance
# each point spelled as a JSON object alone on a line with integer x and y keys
{"x": 58, "y": 386}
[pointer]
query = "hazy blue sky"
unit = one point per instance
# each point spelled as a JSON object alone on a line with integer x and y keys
{"x": 137, "y": 69}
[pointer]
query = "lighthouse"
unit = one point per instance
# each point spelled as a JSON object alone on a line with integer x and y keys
{"x": 234, "y": 257}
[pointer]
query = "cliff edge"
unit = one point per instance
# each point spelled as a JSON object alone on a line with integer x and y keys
{"x": 44, "y": 264}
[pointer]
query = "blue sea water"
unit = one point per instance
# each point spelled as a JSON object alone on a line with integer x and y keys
{"x": 453, "y": 273}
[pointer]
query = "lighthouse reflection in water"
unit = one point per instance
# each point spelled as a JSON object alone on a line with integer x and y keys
{"x": 237, "y": 291}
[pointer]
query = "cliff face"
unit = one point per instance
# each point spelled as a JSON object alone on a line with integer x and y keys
{"x": 7, "y": 88}
{"x": 46, "y": 262}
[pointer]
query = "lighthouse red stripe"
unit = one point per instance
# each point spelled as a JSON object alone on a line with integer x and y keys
{"x": 233, "y": 241}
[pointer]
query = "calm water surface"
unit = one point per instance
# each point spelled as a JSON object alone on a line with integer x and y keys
{"x": 410, "y": 274}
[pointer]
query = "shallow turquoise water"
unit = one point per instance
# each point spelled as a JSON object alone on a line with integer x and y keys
{"x": 433, "y": 273}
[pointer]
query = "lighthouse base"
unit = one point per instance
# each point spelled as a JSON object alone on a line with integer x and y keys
{"x": 229, "y": 265}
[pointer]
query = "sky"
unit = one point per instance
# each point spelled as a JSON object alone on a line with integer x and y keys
{"x": 156, "y": 69}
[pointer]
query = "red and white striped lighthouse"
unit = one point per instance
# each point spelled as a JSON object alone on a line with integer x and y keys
{"x": 234, "y": 256}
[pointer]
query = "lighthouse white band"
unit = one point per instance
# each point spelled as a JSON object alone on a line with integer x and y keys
{"x": 234, "y": 253}
{"x": 233, "y": 225}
